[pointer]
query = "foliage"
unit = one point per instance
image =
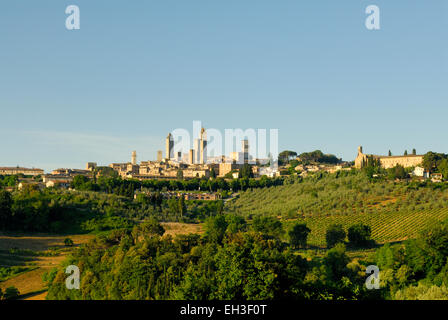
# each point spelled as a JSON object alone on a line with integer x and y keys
{"x": 268, "y": 226}
{"x": 432, "y": 160}
{"x": 68, "y": 242}
{"x": 298, "y": 235}
{"x": 5, "y": 208}
{"x": 226, "y": 263}
{"x": 246, "y": 172}
{"x": 393, "y": 210}
{"x": 397, "y": 172}
{"x": 359, "y": 235}
{"x": 11, "y": 293}
{"x": 417, "y": 268}
{"x": 334, "y": 234}
{"x": 9, "y": 272}
{"x": 285, "y": 156}
{"x": 318, "y": 156}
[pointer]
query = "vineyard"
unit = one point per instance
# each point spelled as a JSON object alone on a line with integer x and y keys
{"x": 395, "y": 211}
{"x": 386, "y": 227}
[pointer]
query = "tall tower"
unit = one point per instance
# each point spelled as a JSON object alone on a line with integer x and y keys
{"x": 134, "y": 158}
{"x": 245, "y": 149}
{"x": 169, "y": 147}
{"x": 191, "y": 156}
{"x": 197, "y": 150}
{"x": 159, "y": 155}
{"x": 203, "y": 147}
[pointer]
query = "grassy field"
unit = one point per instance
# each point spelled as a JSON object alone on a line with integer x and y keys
{"x": 174, "y": 228}
{"x": 39, "y": 253}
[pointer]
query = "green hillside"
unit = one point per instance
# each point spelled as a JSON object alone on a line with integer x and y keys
{"x": 386, "y": 227}
{"x": 394, "y": 210}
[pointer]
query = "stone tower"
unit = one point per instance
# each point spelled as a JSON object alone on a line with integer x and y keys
{"x": 169, "y": 145}
{"x": 203, "y": 147}
{"x": 134, "y": 158}
{"x": 245, "y": 149}
{"x": 191, "y": 157}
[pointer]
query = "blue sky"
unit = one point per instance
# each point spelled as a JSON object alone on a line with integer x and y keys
{"x": 139, "y": 69}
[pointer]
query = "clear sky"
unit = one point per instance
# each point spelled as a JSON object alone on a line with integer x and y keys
{"x": 139, "y": 69}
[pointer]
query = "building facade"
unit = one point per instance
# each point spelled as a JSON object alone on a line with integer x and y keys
{"x": 20, "y": 170}
{"x": 388, "y": 161}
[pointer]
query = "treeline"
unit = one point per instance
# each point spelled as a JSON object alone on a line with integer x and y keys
{"x": 343, "y": 192}
{"x": 436, "y": 163}
{"x": 127, "y": 187}
{"x": 232, "y": 260}
{"x": 237, "y": 260}
{"x": 33, "y": 210}
{"x": 8, "y": 181}
{"x": 312, "y": 157}
{"x": 53, "y": 210}
{"x": 416, "y": 269}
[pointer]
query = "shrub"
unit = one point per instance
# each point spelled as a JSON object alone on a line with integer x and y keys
{"x": 298, "y": 235}
{"x": 335, "y": 234}
{"x": 11, "y": 293}
{"x": 68, "y": 242}
{"x": 269, "y": 226}
{"x": 359, "y": 235}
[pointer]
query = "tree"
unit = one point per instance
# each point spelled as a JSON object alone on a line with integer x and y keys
{"x": 431, "y": 160}
{"x": 269, "y": 226}
{"x": 5, "y": 208}
{"x": 152, "y": 227}
{"x": 443, "y": 168}
{"x": 182, "y": 205}
{"x": 390, "y": 153}
{"x": 215, "y": 228}
{"x": 68, "y": 242}
{"x": 79, "y": 181}
{"x": 11, "y": 293}
{"x": 285, "y": 156}
{"x": 335, "y": 234}
{"x": 212, "y": 173}
{"x": 359, "y": 235}
{"x": 180, "y": 174}
{"x": 397, "y": 172}
{"x": 405, "y": 152}
{"x": 298, "y": 235}
{"x": 318, "y": 156}
{"x": 246, "y": 172}
{"x": 235, "y": 223}
{"x": 414, "y": 152}
{"x": 336, "y": 262}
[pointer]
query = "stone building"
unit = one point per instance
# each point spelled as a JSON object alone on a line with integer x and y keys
{"x": 388, "y": 161}
{"x": 169, "y": 147}
{"x": 20, "y": 170}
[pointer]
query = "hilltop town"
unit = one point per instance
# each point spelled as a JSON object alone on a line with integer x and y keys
{"x": 197, "y": 164}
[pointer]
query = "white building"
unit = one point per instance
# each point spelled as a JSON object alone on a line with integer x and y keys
{"x": 420, "y": 172}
